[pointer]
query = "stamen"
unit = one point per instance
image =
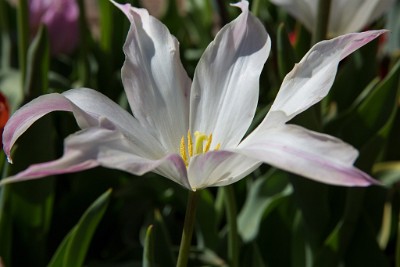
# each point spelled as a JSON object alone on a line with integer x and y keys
{"x": 208, "y": 144}
{"x": 200, "y": 138}
{"x": 190, "y": 144}
{"x": 182, "y": 150}
{"x": 217, "y": 146}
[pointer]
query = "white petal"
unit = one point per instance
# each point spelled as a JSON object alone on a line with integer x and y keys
{"x": 91, "y": 109}
{"x": 155, "y": 82}
{"x": 311, "y": 79}
{"x": 102, "y": 147}
{"x": 313, "y": 155}
{"x": 303, "y": 10}
{"x": 218, "y": 168}
{"x": 351, "y": 16}
{"x": 345, "y": 16}
{"x": 226, "y": 83}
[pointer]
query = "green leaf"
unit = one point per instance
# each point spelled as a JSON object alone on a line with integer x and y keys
{"x": 148, "y": 252}
{"x": 371, "y": 115}
{"x": 207, "y": 233}
{"x": 264, "y": 195}
{"x": 253, "y": 256}
{"x": 36, "y": 80}
{"x": 339, "y": 239}
{"x": 313, "y": 200}
{"x": 10, "y": 86}
{"x": 32, "y": 201}
{"x": 73, "y": 248}
{"x": 163, "y": 244}
{"x": 5, "y": 225}
{"x": 354, "y": 75}
{"x": 300, "y": 246}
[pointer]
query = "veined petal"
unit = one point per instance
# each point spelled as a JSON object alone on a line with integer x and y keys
{"x": 94, "y": 147}
{"x": 351, "y": 16}
{"x": 312, "y": 78}
{"x": 225, "y": 86}
{"x": 154, "y": 79}
{"x": 313, "y": 155}
{"x": 91, "y": 109}
{"x": 218, "y": 168}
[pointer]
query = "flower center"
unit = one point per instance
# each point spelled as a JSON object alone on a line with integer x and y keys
{"x": 199, "y": 146}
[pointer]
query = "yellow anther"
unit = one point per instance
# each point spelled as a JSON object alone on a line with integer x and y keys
{"x": 190, "y": 144}
{"x": 182, "y": 150}
{"x": 208, "y": 144}
{"x": 200, "y": 138}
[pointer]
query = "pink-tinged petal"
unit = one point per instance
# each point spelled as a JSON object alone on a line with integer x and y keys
{"x": 345, "y": 16}
{"x": 91, "y": 109}
{"x": 125, "y": 8}
{"x": 351, "y": 16}
{"x": 313, "y": 155}
{"x": 155, "y": 81}
{"x": 94, "y": 147}
{"x": 21, "y": 120}
{"x": 218, "y": 168}
{"x": 226, "y": 82}
{"x": 311, "y": 79}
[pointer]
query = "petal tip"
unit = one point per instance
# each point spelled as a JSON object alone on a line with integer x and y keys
{"x": 243, "y": 5}
{"x": 125, "y": 8}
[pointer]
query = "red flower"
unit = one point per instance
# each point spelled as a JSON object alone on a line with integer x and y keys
{"x": 4, "y": 114}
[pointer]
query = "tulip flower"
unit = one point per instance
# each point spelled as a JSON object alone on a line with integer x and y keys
{"x": 344, "y": 16}
{"x": 193, "y": 132}
{"x": 61, "y": 20}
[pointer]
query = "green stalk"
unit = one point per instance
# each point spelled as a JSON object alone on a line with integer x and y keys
{"x": 255, "y": 7}
{"x": 321, "y": 25}
{"x": 188, "y": 229}
{"x": 231, "y": 215}
{"x": 5, "y": 37}
{"x": 398, "y": 244}
{"x": 23, "y": 36}
{"x": 84, "y": 33}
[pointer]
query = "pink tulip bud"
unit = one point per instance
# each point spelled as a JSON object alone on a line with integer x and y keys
{"x": 61, "y": 20}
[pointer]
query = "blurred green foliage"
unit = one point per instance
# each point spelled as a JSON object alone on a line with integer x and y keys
{"x": 282, "y": 219}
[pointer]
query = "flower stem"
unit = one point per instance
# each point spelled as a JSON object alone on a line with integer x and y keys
{"x": 321, "y": 27}
{"x": 23, "y": 36}
{"x": 398, "y": 244}
{"x": 255, "y": 7}
{"x": 231, "y": 215}
{"x": 4, "y": 37}
{"x": 187, "y": 229}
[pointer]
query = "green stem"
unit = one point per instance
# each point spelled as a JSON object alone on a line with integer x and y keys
{"x": 231, "y": 215}
{"x": 255, "y": 7}
{"x": 23, "y": 36}
{"x": 188, "y": 229}
{"x": 84, "y": 33}
{"x": 321, "y": 25}
{"x": 398, "y": 243}
{"x": 5, "y": 37}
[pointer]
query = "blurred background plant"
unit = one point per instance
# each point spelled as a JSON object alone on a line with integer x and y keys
{"x": 75, "y": 220}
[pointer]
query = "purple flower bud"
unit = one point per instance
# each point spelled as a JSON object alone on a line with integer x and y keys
{"x": 61, "y": 20}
